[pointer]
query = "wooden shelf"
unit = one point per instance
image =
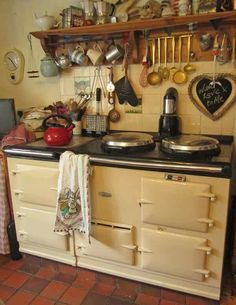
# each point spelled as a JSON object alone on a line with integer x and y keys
{"x": 135, "y": 25}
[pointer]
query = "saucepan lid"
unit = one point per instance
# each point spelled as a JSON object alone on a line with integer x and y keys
{"x": 127, "y": 139}
{"x": 190, "y": 143}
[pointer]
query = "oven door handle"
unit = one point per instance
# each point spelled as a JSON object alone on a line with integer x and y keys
{"x": 129, "y": 247}
{"x": 143, "y": 250}
{"x": 206, "y": 249}
{"x": 211, "y": 196}
{"x": 206, "y": 273}
{"x": 208, "y": 221}
{"x": 141, "y": 202}
{"x": 18, "y": 192}
{"x": 53, "y": 188}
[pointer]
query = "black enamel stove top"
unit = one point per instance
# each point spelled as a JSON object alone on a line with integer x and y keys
{"x": 154, "y": 158}
{"x": 95, "y": 148}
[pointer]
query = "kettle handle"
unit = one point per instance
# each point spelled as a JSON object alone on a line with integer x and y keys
{"x": 46, "y": 124}
{"x": 69, "y": 128}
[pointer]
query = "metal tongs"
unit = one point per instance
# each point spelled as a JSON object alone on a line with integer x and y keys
{"x": 97, "y": 77}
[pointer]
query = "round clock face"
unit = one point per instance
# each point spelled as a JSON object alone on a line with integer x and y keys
{"x": 11, "y": 60}
{"x": 14, "y": 62}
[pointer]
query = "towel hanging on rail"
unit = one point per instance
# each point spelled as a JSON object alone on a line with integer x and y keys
{"x": 73, "y": 194}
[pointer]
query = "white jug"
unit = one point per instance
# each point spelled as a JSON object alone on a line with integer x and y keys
{"x": 45, "y": 22}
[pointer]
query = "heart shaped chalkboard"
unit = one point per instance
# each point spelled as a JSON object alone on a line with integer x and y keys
{"x": 211, "y": 97}
{"x": 213, "y": 94}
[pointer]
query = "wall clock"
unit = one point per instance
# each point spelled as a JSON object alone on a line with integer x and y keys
{"x": 15, "y": 62}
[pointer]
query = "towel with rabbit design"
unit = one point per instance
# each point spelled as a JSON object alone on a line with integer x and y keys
{"x": 73, "y": 196}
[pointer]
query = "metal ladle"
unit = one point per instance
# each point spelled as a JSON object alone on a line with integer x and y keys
{"x": 154, "y": 78}
{"x": 173, "y": 69}
{"x": 180, "y": 77}
{"x": 166, "y": 71}
{"x": 188, "y": 68}
{"x": 160, "y": 69}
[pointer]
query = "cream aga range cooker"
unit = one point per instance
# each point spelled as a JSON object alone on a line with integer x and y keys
{"x": 159, "y": 210}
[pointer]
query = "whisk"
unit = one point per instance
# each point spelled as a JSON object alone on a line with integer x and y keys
{"x": 32, "y": 72}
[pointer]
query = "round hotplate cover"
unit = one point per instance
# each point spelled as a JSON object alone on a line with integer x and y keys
{"x": 190, "y": 143}
{"x": 127, "y": 139}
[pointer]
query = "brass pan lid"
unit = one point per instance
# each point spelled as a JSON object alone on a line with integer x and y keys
{"x": 127, "y": 139}
{"x": 190, "y": 143}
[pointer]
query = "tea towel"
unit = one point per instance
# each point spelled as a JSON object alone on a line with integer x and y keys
{"x": 73, "y": 194}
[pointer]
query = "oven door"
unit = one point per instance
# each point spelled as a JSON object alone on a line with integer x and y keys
{"x": 183, "y": 205}
{"x": 174, "y": 254}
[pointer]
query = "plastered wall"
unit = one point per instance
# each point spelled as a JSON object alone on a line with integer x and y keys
{"x": 17, "y": 20}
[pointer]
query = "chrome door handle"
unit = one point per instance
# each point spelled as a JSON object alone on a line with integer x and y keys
{"x": 208, "y": 221}
{"x": 15, "y": 171}
{"x": 130, "y": 247}
{"x": 206, "y": 273}
{"x": 53, "y": 188}
{"x": 211, "y": 196}
{"x": 206, "y": 249}
{"x": 143, "y": 250}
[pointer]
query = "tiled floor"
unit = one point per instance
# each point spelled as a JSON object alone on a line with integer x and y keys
{"x": 38, "y": 281}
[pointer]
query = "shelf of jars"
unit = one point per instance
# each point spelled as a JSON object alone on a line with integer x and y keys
{"x": 57, "y": 40}
{"x": 135, "y": 25}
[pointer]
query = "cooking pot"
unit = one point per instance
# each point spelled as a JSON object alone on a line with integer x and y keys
{"x": 58, "y": 130}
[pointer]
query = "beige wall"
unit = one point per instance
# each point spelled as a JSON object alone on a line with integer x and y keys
{"x": 17, "y": 20}
{"x": 193, "y": 121}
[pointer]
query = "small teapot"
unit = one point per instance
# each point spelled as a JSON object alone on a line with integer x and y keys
{"x": 63, "y": 61}
{"x": 46, "y": 22}
{"x": 48, "y": 67}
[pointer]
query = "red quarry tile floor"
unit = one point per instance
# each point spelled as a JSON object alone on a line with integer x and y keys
{"x": 37, "y": 281}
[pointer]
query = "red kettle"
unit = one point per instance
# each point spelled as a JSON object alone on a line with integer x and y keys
{"x": 58, "y": 130}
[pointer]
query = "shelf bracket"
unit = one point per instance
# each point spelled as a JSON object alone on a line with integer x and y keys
{"x": 215, "y": 23}
{"x": 168, "y": 30}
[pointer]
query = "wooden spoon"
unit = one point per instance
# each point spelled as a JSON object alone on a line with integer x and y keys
{"x": 180, "y": 77}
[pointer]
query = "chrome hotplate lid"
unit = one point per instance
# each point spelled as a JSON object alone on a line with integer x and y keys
{"x": 190, "y": 143}
{"x": 127, "y": 139}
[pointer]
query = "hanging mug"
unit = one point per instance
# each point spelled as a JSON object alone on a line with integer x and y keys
{"x": 78, "y": 56}
{"x": 95, "y": 54}
{"x": 114, "y": 52}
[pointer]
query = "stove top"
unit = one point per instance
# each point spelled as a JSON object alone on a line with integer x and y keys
{"x": 153, "y": 159}
{"x": 94, "y": 148}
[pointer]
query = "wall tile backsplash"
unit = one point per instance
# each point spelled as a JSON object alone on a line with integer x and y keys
{"x": 192, "y": 120}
